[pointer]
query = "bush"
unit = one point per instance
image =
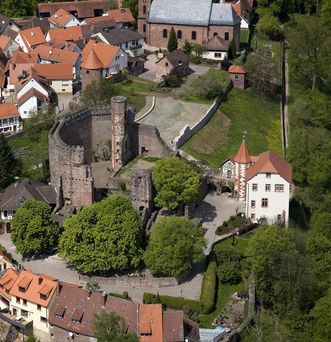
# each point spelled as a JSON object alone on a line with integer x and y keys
{"x": 125, "y": 295}
{"x": 208, "y": 291}
{"x": 229, "y": 273}
{"x": 234, "y": 222}
{"x": 228, "y": 255}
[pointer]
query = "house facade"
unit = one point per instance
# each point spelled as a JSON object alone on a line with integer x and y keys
{"x": 10, "y": 120}
{"x": 238, "y": 76}
{"x": 30, "y": 38}
{"x": 193, "y": 20}
{"x": 62, "y": 18}
{"x": 8, "y": 45}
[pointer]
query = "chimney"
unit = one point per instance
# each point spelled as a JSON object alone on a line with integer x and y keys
{"x": 104, "y": 299}
{"x": 40, "y": 280}
{"x": 89, "y": 295}
{"x": 58, "y": 288}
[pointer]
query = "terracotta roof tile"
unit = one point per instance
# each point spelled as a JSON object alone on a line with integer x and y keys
{"x": 47, "y": 51}
{"x": 121, "y": 15}
{"x": 104, "y": 18}
{"x": 4, "y": 40}
{"x": 36, "y": 283}
{"x": 57, "y": 71}
{"x": 32, "y": 37}
{"x": 20, "y": 57}
{"x": 173, "y": 326}
{"x": 237, "y": 69}
{"x": 84, "y": 9}
{"x": 91, "y": 61}
{"x": 151, "y": 322}
{"x": 269, "y": 162}
{"x": 30, "y": 93}
{"x": 73, "y": 33}
{"x": 242, "y": 155}
{"x": 7, "y": 281}
{"x": 237, "y": 8}
{"x": 105, "y": 53}
{"x": 60, "y": 18}
{"x": 217, "y": 43}
{"x": 8, "y": 110}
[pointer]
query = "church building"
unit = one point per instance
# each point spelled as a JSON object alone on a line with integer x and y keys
{"x": 263, "y": 182}
{"x": 193, "y": 20}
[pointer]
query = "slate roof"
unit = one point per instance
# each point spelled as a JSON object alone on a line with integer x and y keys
{"x": 224, "y": 14}
{"x": 4, "y": 21}
{"x": 120, "y": 36}
{"x": 17, "y": 193}
{"x": 184, "y": 12}
{"x": 177, "y": 58}
{"x": 44, "y": 24}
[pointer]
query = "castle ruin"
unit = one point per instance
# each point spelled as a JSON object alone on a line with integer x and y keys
{"x": 97, "y": 134}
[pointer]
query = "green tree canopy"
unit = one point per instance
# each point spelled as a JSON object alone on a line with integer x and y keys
{"x": 32, "y": 230}
{"x": 9, "y": 166}
{"x": 175, "y": 181}
{"x": 174, "y": 246}
{"x": 102, "y": 237}
{"x": 98, "y": 93}
{"x": 133, "y": 5}
{"x": 111, "y": 327}
{"x": 172, "y": 42}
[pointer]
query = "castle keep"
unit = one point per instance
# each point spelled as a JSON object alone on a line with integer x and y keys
{"x": 92, "y": 135}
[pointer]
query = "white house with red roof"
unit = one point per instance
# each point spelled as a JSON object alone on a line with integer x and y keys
{"x": 10, "y": 120}
{"x": 63, "y": 19}
{"x": 263, "y": 182}
{"x": 30, "y": 38}
{"x": 8, "y": 45}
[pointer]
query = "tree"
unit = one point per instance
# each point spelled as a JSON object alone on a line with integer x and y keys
{"x": 105, "y": 236}
{"x": 172, "y": 42}
{"x": 133, "y": 5}
{"x": 98, "y": 93}
{"x": 32, "y": 230}
{"x": 111, "y": 327}
{"x": 39, "y": 123}
{"x": 229, "y": 273}
{"x": 174, "y": 246}
{"x": 176, "y": 182}
{"x": 187, "y": 47}
{"x": 9, "y": 166}
{"x": 198, "y": 51}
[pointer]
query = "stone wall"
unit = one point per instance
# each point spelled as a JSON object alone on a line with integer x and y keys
{"x": 187, "y": 132}
{"x": 150, "y": 142}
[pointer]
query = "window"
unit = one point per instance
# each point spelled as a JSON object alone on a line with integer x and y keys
{"x": 38, "y": 307}
{"x": 236, "y": 77}
{"x": 144, "y": 28}
{"x": 228, "y": 173}
{"x": 264, "y": 203}
{"x": 165, "y": 33}
{"x": 24, "y": 313}
{"x": 215, "y": 34}
{"x": 252, "y": 217}
{"x": 24, "y": 302}
{"x": 217, "y": 55}
{"x": 179, "y": 34}
{"x": 279, "y": 218}
{"x": 65, "y": 83}
{"x": 253, "y": 204}
{"x": 18, "y": 300}
{"x": 194, "y": 35}
{"x": 268, "y": 175}
{"x": 43, "y": 319}
{"x": 254, "y": 187}
{"x": 279, "y": 187}
{"x": 144, "y": 9}
{"x": 226, "y": 35}
{"x": 87, "y": 72}
{"x": 267, "y": 187}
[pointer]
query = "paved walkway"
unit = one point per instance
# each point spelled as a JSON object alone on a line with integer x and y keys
{"x": 213, "y": 211}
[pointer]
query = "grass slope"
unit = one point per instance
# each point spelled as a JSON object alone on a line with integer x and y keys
{"x": 243, "y": 111}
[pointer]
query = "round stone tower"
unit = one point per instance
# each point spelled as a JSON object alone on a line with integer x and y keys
{"x": 91, "y": 69}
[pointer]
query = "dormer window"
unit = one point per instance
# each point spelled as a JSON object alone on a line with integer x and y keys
{"x": 59, "y": 311}
{"x": 77, "y": 315}
{"x": 24, "y": 284}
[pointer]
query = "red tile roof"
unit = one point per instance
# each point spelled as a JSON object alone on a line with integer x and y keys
{"x": 60, "y": 18}
{"x": 73, "y": 33}
{"x": 105, "y": 53}
{"x": 91, "y": 61}
{"x": 4, "y": 40}
{"x": 237, "y": 8}
{"x": 20, "y": 57}
{"x": 8, "y": 110}
{"x": 237, "y": 69}
{"x": 122, "y": 15}
{"x": 7, "y": 281}
{"x": 30, "y": 93}
{"x": 269, "y": 162}
{"x": 242, "y": 155}
{"x": 32, "y": 37}
{"x": 173, "y": 326}
{"x": 47, "y": 51}
{"x": 150, "y": 322}
{"x": 57, "y": 71}
{"x": 34, "y": 283}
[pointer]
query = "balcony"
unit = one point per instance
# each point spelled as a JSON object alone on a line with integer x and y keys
{"x": 23, "y": 323}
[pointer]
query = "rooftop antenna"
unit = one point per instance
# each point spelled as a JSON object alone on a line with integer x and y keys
{"x": 244, "y": 136}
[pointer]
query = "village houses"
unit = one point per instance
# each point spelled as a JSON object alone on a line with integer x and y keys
{"x": 62, "y": 19}
{"x": 10, "y": 120}
{"x": 30, "y": 38}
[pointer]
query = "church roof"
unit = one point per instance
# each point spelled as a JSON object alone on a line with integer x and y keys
{"x": 242, "y": 155}
{"x": 269, "y": 162}
{"x": 183, "y": 12}
{"x": 91, "y": 61}
{"x": 224, "y": 14}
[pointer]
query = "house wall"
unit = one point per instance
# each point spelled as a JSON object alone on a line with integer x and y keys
{"x": 62, "y": 86}
{"x": 11, "y": 48}
{"x": 278, "y": 202}
{"x": 28, "y": 107}
{"x": 215, "y": 55}
{"x": 119, "y": 62}
{"x": 238, "y": 80}
{"x": 31, "y": 84}
{"x": 59, "y": 335}
{"x": 131, "y": 47}
{"x": 226, "y": 168}
{"x": 20, "y": 42}
{"x": 10, "y": 26}
{"x": 10, "y": 125}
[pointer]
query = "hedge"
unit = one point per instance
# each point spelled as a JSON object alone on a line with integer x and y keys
{"x": 176, "y": 303}
{"x": 208, "y": 291}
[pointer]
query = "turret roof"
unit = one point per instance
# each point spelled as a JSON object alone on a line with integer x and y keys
{"x": 91, "y": 61}
{"x": 242, "y": 156}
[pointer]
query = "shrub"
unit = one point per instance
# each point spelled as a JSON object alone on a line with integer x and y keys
{"x": 234, "y": 222}
{"x": 229, "y": 273}
{"x": 208, "y": 291}
{"x": 228, "y": 255}
{"x": 125, "y": 295}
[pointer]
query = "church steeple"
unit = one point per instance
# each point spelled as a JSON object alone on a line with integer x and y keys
{"x": 242, "y": 156}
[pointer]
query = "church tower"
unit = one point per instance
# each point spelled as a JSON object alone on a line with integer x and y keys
{"x": 242, "y": 161}
{"x": 143, "y": 15}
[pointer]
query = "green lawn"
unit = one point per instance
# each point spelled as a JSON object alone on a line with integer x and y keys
{"x": 243, "y": 111}
{"x": 241, "y": 243}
